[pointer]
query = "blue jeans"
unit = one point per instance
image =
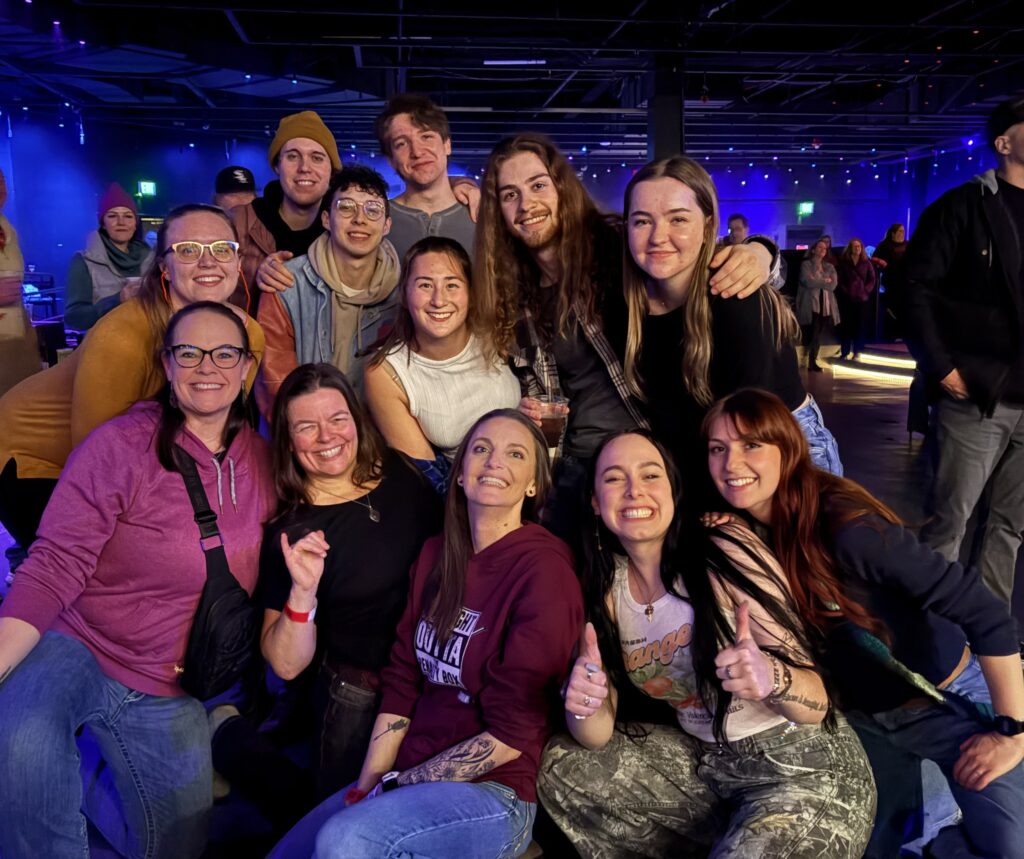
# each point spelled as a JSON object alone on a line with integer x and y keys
{"x": 436, "y": 820}
{"x": 992, "y": 823}
{"x": 151, "y": 800}
{"x": 822, "y": 444}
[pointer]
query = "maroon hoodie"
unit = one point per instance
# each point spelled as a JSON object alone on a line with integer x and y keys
{"x": 502, "y": 667}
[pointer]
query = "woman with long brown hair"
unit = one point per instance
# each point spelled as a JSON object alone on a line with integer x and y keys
{"x": 895, "y": 619}
{"x": 686, "y": 347}
{"x": 48, "y": 414}
{"x": 856, "y": 274}
{"x": 494, "y": 611}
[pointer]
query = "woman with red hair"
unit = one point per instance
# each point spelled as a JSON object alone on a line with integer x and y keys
{"x": 893, "y": 620}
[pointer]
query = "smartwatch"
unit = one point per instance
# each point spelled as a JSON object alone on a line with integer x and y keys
{"x": 389, "y": 781}
{"x": 1007, "y": 726}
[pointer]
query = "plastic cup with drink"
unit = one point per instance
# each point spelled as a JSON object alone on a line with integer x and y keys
{"x": 554, "y": 411}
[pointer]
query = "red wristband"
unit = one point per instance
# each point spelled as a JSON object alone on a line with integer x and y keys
{"x": 354, "y": 795}
{"x": 299, "y": 616}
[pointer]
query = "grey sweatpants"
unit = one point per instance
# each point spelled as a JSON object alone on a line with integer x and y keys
{"x": 795, "y": 791}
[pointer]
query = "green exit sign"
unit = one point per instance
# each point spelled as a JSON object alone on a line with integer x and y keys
{"x": 146, "y": 188}
{"x": 805, "y": 208}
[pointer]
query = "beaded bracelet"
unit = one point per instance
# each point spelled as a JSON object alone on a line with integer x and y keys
{"x": 780, "y": 685}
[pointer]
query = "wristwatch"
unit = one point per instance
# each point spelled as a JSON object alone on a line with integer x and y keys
{"x": 389, "y": 781}
{"x": 299, "y": 616}
{"x": 1007, "y": 726}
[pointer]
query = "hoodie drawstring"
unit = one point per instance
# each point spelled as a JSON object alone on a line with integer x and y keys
{"x": 231, "y": 483}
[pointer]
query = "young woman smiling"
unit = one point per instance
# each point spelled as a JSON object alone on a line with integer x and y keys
{"x": 853, "y": 570}
{"x": 685, "y": 348}
{"x": 749, "y": 769}
{"x": 436, "y": 373}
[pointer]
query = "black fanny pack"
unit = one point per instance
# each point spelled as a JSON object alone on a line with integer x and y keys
{"x": 222, "y": 641}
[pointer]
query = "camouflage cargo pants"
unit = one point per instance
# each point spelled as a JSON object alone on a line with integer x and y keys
{"x": 793, "y": 791}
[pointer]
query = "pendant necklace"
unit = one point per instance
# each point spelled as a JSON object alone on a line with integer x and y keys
{"x": 374, "y": 513}
{"x": 649, "y": 610}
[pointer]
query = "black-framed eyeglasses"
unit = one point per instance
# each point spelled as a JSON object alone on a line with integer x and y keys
{"x": 222, "y": 251}
{"x": 188, "y": 356}
{"x": 347, "y": 208}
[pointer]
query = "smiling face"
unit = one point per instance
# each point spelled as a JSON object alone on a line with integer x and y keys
{"x": 746, "y": 472}
{"x": 206, "y": 391}
{"x": 666, "y": 229}
{"x": 632, "y": 491}
{"x": 528, "y": 200}
{"x": 120, "y": 224}
{"x": 437, "y": 295}
{"x": 304, "y": 168}
{"x": 207, "y": 279}
{"x": 499, "y": 468}
{"x": 355, "y": 237}
{"x": 899, "y": 234}
{"x": 324, "y": 437}
{"x": 418, "y": 154}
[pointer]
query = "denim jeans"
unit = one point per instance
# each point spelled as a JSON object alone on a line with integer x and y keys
{"x": 822, "y": 444}
{"x": 436, "y": 820}
{"x": 792, "y": 791}
{"x": 992, "y": 822}
{"x": 153, "y": 797}
{"x": 975, "y": 451}
{"x": 349, "y": 713}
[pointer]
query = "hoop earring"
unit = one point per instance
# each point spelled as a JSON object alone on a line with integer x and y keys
{"x": 163, "y": 287}
{"x": 245, "y": 286}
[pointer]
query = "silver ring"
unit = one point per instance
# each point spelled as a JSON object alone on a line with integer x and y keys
{"x": 728, "y": 671}
{"x": 592, "y": 669}
{"x": 587, "y": 700}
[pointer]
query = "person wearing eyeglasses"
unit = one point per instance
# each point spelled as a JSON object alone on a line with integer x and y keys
{"x": 48, "y": 414}
{"x": 345, "y": 292}
{"x": 94, "y": 631}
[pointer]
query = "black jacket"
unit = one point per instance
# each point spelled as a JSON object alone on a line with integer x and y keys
{"x": 963, "y": 264}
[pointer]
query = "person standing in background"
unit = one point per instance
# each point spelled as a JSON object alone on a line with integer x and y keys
{"x": 110, "y": 268}
{"x": 19, "y": 350}
{"x": 234, "y": 186}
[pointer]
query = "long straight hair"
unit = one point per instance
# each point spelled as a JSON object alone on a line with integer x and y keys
{"x": 808, "y": 506}
{"x": 447, "y": 582}
{"x": 690, "y": 555}
{"x": 698, "y": 344}
{"x": 290, "y": 478}
{"x": 506, "y": 275}
{"x": 172, "y": 418}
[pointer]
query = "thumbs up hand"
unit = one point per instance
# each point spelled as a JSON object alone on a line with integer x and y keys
{"x": 588, "y": 684}
{"x": 743, "y": 667}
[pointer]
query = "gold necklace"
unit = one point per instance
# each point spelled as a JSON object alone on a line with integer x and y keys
{"x": 637, "y": 578}
{"x": 374, "y": 512}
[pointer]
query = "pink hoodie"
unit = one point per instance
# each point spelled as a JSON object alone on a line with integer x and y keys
{"x": 117, "y": 563}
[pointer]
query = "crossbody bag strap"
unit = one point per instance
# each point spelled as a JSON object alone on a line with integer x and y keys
{"x": 205, "y": 518}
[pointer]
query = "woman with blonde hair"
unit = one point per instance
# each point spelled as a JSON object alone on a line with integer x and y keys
{"x": 685, "y": 347}
{"x": 856, "y": 275}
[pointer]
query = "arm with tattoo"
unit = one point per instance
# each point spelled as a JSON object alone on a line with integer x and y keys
{"x": 386, "y": 739}
{"x": 464, "y": 761}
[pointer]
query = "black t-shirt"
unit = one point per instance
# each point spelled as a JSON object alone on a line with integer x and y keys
{"x": 596, "y": 409}
{"x": 744, "y": 355}
{"x": 1013, "y": 197}
{"x": 267, "y": 209}
{"x": 365, "y": 584}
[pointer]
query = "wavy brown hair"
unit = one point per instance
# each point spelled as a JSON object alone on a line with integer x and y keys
{"x": 447, "y": 581}
{"x": 847, "y": 253}
{"x": 290, "y": 478}
{"x": 698, "y": 345}
{"x": 808, "y": 506}
{"x": 506, "y": 275}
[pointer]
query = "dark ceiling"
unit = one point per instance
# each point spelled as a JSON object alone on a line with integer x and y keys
{"x": 799, "y": 80}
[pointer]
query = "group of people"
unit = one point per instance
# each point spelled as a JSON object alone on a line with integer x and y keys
{"x": 737, "y": 635}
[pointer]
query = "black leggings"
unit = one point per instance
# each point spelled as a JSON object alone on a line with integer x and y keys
{"x": 22, "y": 502}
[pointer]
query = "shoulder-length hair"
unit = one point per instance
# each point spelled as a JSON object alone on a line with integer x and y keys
{"x": 808, "y": 506}
{"x": 403, "y": 333}
{"x": 153, "y": 295}
{"x": 847, "y": 254}
{"x": 506, "y": 275}
{"x": 448, "y": 579}
{"x": 689, "y": 555}
{"x": 172, "y": 418}
{"x": 698, "y": 344}
{"x": 290, "y": 478}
